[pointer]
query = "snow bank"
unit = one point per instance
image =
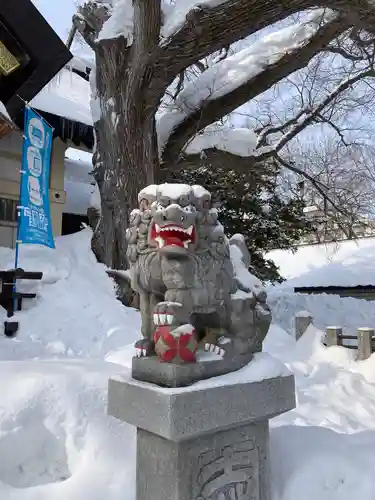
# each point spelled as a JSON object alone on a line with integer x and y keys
{"x": 79, "y": 196}
{"x": 328, "y": 439}
{"x": 76, "y": 313}
{"x": 326, "y": 310}
{"x": 348, "y": 263}
{"x": 56, "y": 440}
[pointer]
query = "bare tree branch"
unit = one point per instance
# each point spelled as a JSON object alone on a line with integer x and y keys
{"x": 309, "y": 118}
{"x": 342, "y": 52}
{"x": 213, "y": 110}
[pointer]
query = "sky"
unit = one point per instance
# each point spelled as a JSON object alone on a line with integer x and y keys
{"x": 58, "y": 13}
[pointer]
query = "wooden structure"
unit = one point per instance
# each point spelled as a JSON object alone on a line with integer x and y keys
{"x": 12, "y": 300}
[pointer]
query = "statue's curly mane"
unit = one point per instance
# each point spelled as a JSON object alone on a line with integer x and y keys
{"x": 211, "y": 256}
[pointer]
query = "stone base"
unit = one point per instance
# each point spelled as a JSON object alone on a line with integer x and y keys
{"x": 205, "y": 442}
{"x": 151, "y": 369}
{"x": 229, "y": 464}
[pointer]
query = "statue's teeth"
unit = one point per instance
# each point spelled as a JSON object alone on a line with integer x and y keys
{"x": 169, "y": 319}
{"x": 189, "y": 230}
{"x": 157, "y": 228}
{"x": 156, "y": 319}
{"x": 186, "y": 244}
{"x": 162, "y": 319}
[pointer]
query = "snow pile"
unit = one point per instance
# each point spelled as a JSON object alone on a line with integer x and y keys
{"x": 326, "y": 310}
{"x": 56, "y": 440}
{"x": 329, "y": 438}
{"x": 79, "y": 183}
{"x": 66, "y": 95}
{"x": 75, "y": 314}
{"x": 348, "y": 263}
{"x": 78, "y": 197}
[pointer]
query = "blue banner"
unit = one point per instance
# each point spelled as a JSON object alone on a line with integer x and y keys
{"x": 34, "y": 213}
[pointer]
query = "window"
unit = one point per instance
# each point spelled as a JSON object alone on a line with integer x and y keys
{"x": 8, "y": 210}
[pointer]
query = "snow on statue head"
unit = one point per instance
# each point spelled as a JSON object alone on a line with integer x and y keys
{"x": 196, "y": 293}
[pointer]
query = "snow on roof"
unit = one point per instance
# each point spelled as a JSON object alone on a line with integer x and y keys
{"x": 81, "y": 63}
{"x": 348, "y": 263}
{"x": 67, "y": 95}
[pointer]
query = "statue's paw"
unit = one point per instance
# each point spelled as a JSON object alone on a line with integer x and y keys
{"x": 224, "y": 341}
{"x": 144, "y": 347}
{"x": 216, "y": 349}
{"x": 169, "y": 313}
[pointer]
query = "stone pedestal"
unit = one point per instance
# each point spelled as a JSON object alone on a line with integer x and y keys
{"x": 205, "y": 442}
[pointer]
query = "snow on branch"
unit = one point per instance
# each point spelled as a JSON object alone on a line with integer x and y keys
{"x": 238, "y": 141}
{"x": 175, "y": 15}
{"x": 120, "y": 23}
{"x": 258, "y": 144}
{"x": 233, "y": 81}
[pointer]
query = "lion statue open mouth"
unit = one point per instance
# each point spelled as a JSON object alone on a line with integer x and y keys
{"x": 194, "y": 286}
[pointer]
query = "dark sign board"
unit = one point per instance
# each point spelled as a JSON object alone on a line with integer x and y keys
{"x": 31, "y": 54}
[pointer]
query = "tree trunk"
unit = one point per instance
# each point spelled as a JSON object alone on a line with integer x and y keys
{"x": 126, "y": 150}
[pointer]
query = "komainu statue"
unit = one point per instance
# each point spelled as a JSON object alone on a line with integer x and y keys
{"x": 201, "y": 309}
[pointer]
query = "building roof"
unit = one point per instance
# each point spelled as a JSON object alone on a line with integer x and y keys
{"x": 55, "y": 84}
{"x": 36, "y": 48}
{"x": 67, "y": 95}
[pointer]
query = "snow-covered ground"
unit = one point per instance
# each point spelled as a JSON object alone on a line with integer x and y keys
{"x": 56, "y": 440}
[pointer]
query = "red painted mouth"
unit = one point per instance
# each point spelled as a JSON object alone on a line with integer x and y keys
{"x": 172, "y": 235}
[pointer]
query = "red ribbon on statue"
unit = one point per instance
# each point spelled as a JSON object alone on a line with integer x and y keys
{"x": 176, "y": 345}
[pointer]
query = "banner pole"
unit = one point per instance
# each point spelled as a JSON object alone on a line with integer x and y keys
{"x": 19, "y": 208}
